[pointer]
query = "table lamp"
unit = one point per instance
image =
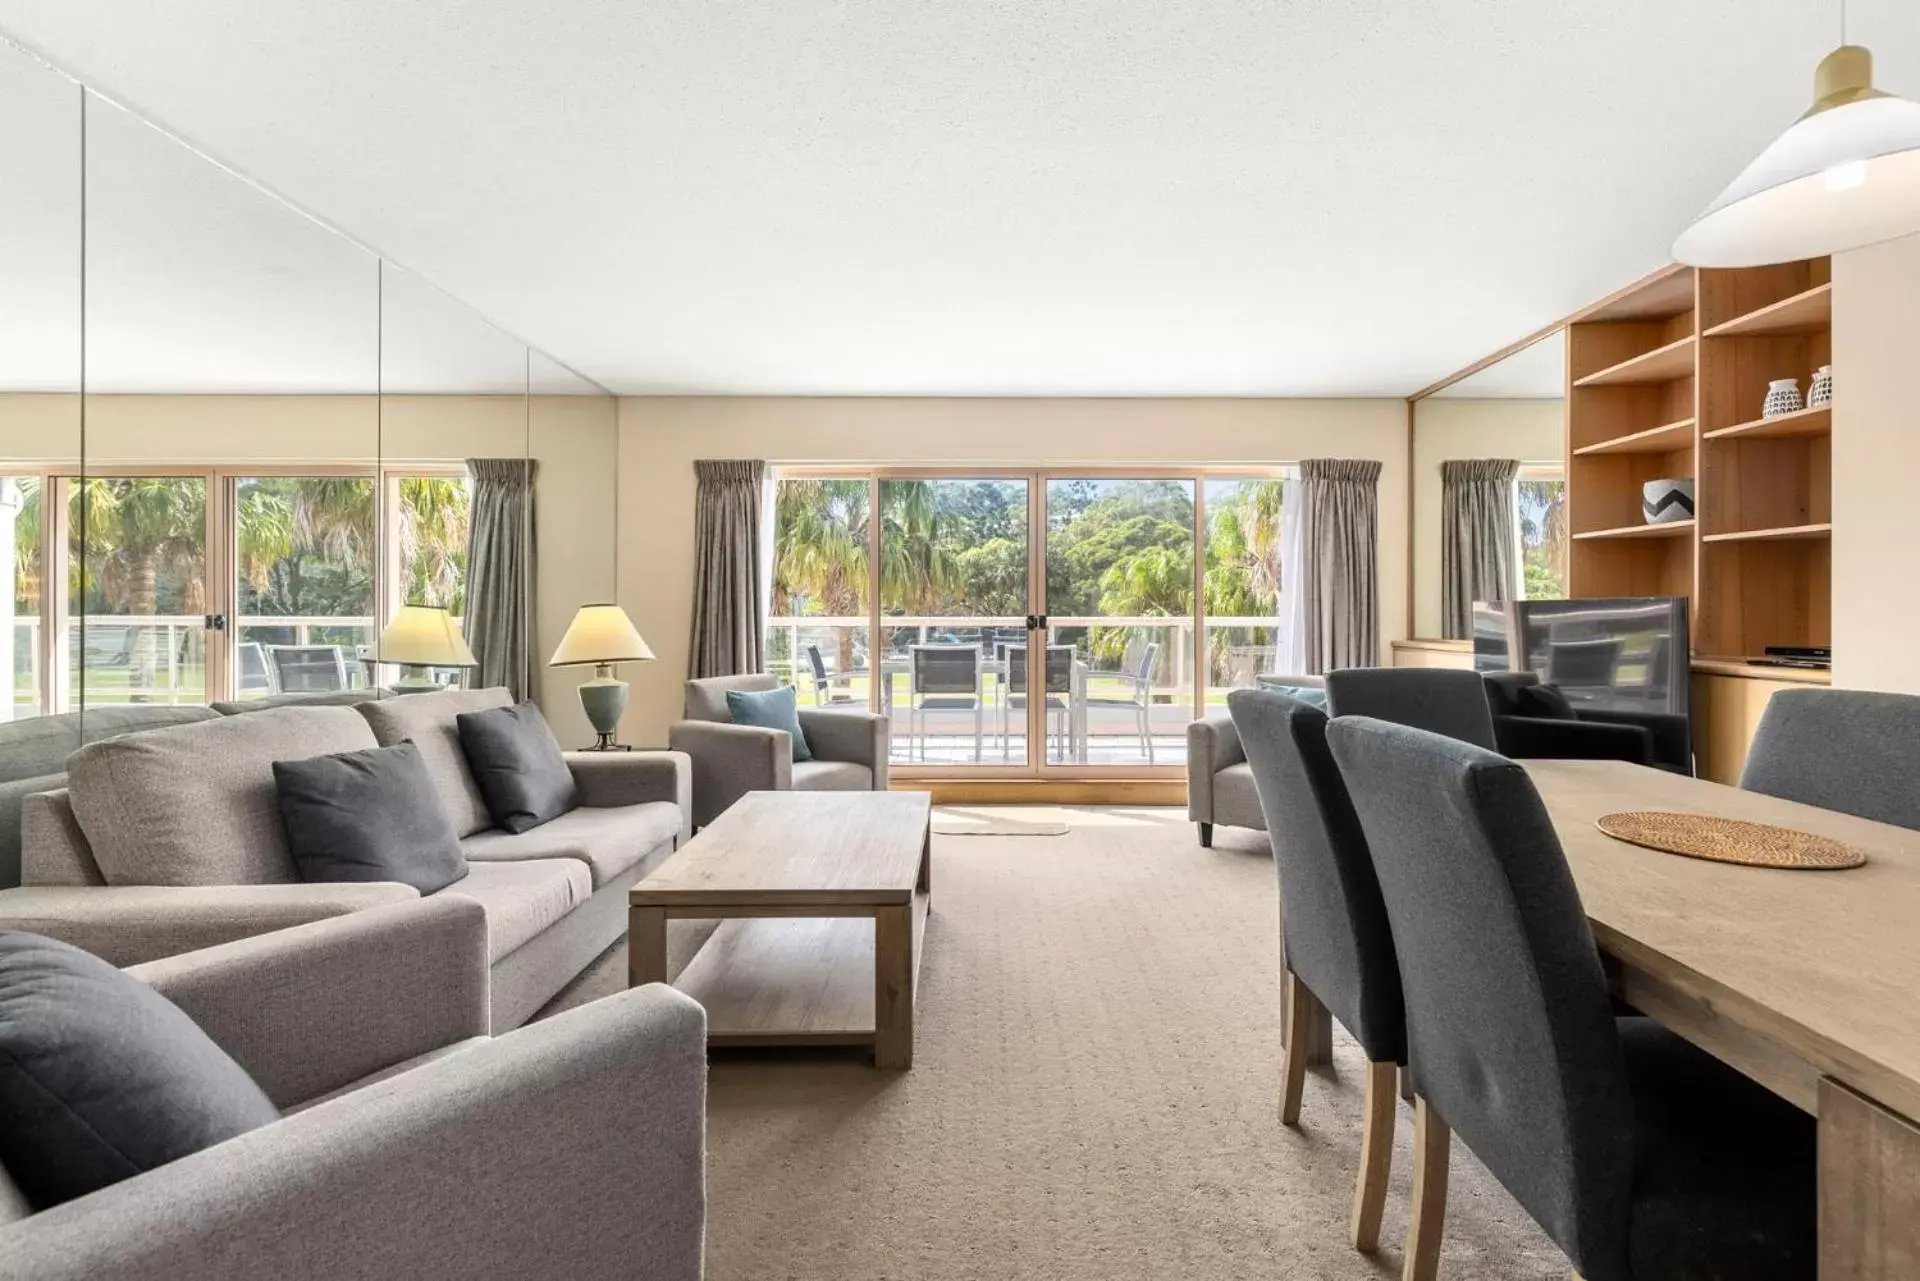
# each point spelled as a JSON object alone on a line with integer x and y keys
{"x": 601, "y": 635}
{"x": 420, "y": 637}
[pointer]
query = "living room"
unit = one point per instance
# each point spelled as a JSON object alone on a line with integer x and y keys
{"x": 1059, "y": 642}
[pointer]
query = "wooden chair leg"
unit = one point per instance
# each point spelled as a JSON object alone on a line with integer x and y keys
{"x": 1302, "y": 1007}
{"x": 1428, "y": 1223}
{"x": 1376, "y": 1155}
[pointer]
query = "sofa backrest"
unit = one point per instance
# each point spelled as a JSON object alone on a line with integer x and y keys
{"x": 328, "y": 698}
{"x": 707, "y": 697}
{"x": 196, "y": 804}
{"x": 428, "y": 720}
{"x": 53, "y": 849}
{"x": 40, "y": 745}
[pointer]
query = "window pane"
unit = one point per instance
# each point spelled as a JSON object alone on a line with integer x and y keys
{"x": 20, "y": 526}
{"x": 1120, "y": 592}
{"x": 1242, "y": 583}
{"x": 953, "y": 573}
{"x": 1543, "y": 536}
{"x": 137, "y": 589}
{"x": 304, "y": 573}
{"x": 817, "y": 635}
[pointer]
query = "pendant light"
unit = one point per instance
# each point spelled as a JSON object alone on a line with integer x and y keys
{"x": 1846, "y": 174}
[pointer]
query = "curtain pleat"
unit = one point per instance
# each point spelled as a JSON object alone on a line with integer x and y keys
{"x": 1340, "y": 552}
{"x": 500, "y": 550}
{"x": 729, "y": 622}
{"x": 1479, "y": 556}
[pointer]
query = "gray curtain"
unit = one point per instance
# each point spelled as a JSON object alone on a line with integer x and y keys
{"x": 500, "y": 545}
{"x": 1340, "y": 553}
{"x": 728, "y": 621}
{"x": 1478, "y": 553}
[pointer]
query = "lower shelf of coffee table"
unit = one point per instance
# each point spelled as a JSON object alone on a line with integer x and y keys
{"x": 792, "y": 980}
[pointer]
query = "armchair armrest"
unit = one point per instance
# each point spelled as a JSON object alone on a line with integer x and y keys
{"x": 848, "y": 734}
{"x": 1537, "y": 737}
{"x": 314, "y": 1008}
{"x": 1212, "y": 745}
{"x": 128, "y": 924}
{"x": 609, "y": 779}
{"x": 570, "y": 1147}
{"x": 1671, "y": 733}
{"x": 731, "y": 760}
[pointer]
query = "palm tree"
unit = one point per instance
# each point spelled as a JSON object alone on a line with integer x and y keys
{"x": 1543, "y": 525}
{"x": 433, "y": 541}
{"x": 130, "y": 533}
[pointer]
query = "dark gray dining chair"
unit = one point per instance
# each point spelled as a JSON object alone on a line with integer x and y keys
{"x": 1444, "y": 700}
{"x": 1336, "y": 947}
{"x": 943, "y": 678}
{"x": 1852, "y": 750}
{"x": 824, "y": 681}
{"x": 1056, "y": 694}
{"x": 1138, "y": 671}
{"x": 1643, "y": 1158}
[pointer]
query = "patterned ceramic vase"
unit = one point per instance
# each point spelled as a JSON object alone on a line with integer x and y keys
{"x": 1783, "y": 397}
{"x": 1821, "y": 392}
{"x": 1664, "y": 501}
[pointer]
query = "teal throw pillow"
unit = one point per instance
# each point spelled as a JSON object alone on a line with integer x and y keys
{"x": 1311, "y": 695}
{"x": 770, "y": 709}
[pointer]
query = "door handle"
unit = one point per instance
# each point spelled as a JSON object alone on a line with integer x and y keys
{"x": 1036, "y": 622}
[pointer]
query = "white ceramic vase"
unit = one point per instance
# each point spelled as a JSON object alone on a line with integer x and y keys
{"x": 1783, "y": 397}
{"x": 1665, "y": 501}
{"x": 1821, "y": 390}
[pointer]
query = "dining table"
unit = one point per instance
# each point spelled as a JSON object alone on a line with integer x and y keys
{"x": 902, "y": 665}
{"x": 1806, "y": 981}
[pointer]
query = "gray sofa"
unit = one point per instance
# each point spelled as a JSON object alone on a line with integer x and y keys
{"x": 412, "y": 1145}
{"x": 849, "y": 748}
{"x": 1219, "y": 781}
{"x": 169, "y": 841}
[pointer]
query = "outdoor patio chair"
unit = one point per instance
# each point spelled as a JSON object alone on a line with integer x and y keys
{"x": 944, "y": 678}
{"x": 1058, "y": 692}
{"x": 823, "y": 682}
{"x": 1140, "y": 675}
{"x": 308, "y": 669}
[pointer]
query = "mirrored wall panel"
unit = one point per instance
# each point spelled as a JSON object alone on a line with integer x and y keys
{"x": 1489, "y": 488}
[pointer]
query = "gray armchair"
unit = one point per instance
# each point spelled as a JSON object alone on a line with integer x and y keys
{"x": 849, "y": 749}
{"x": 1219, "y": 781}
{"x": 412, "y": 1144}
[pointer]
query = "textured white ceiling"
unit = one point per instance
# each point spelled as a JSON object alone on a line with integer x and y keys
{"x": 1537, "y": 371}
{"x": 1022, "y": 196}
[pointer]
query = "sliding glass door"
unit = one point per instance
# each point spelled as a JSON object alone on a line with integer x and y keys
{"x": 1028, "y": 622}
{"x": 137, "y": 596}
{"x": 303, "y": 583}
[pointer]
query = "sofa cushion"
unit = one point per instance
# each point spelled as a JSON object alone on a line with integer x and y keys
{"x": 516, "y": 760}
{"x": 831, "y": 776}
{"x": 369, "y": 815}
{"x": 195, "y": 804}
{"x": 523, "y": 898}
{"x": 771, "y": 709}
{"x": 608, "y": 841}
{"x": 101, "y": 1077}
{"x": 428, "y": 719}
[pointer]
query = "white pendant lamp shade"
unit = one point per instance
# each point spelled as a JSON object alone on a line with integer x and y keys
{"x": 600, "y": 634}
{"x": 423, "y": 636}
{"x": 1846, "y": 174}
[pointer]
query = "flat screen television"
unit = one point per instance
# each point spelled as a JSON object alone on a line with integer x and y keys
{"x": 1625, "y": 653}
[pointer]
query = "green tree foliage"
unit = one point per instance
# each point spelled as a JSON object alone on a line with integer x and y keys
{"x": 1543, "y": 538}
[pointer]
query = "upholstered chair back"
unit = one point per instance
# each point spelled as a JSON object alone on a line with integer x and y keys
{"x": 707, "y": 697}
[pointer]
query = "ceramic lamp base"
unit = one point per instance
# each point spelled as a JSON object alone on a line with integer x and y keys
{"x": 417, "y": 680}
{"x": 604, "y": 699}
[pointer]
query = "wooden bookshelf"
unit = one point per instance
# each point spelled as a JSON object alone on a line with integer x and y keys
{"x": 1667, "y": 379}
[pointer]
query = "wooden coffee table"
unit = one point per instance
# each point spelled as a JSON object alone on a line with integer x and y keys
{"x": 825, "y": 898}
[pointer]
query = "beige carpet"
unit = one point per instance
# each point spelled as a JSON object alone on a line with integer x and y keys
{"x": 1092, "y": 1097}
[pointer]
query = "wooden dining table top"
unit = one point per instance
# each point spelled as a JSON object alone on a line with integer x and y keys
{"x": 1799, "y": 973}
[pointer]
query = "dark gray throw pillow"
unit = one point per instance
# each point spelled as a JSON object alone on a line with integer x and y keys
{"x": 1546, "y": 700}
{"x": 517, "y": 762}
{"x": 101, "y": 1077}
{"x": 368, "y": 815}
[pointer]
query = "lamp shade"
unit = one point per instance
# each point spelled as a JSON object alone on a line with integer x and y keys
{"x": 1846, "y": 174}
{"x": 423, "y": 636}
{"x": 600, "y": 634}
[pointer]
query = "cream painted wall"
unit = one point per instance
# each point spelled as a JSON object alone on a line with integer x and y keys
{"x": 661, "y": 436}
{"x": 1876, "y": 444}
{"x": 574, "y": 440}
{"x": 1531, "y": 430}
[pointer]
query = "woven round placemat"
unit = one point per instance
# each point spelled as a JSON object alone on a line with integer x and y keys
{"x": 1730, "y": 840}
